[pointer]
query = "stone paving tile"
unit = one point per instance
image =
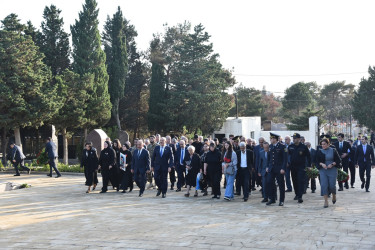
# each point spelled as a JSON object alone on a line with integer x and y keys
{"x": 58, "y": 214}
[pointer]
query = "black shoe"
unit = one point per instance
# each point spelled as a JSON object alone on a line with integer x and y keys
{"x": 300, "y": 200}
{"x": 245, "y": 199}
{"x": 341, "y": 189}
{"x": 270, "y": 202}
{"x": 29, "y": 171}
{"x": 265, "y": 200}
{"x": 367, "y": 190}
{"x": 131, "y": 189}
{"x": 214, "y": 197}
{"x": 17, "y": 175}
{"x": 140, "y": 194}
{"x": 172, "y": 188}
{"x": 102, "y": 192}
{"x": 158, "y": 193}
{"x": 281, "y": 204}
{"x": 163, "y": 196}
{"x": 346, "y": 186}
{"x": 253, "y": 189}
{"x": 312, "y": 191}
{"x": 49, "y": 175}
{"x": 363, "y": 185}
{"x": 260, "y": 190}
{"x": 123, "y": 192}
{"x": 352, "y": 186}
{"x": 296, "y": 198}
{"x": 218, "y": 197}
{"x": 58, "y": 176}
{"x": 288, "y": 190}
{"x": 205, "y": 193}
{"x": 178, "y": 190}
{"x": 304, "y": 192}
{"x": 237, "y": 194}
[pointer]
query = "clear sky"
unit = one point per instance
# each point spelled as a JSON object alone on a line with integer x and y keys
{"x": 272, "y": 43}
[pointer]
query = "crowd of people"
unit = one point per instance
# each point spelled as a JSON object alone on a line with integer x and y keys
{"x": 199, "y": 164}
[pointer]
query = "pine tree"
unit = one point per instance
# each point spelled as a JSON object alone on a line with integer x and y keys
{"x": 114, "y": 41}
{"x": 364, "y": 96}
{"x": 26, "y": 96}
{"x": 89, "y": 58}
{"x": 54, "y": 41}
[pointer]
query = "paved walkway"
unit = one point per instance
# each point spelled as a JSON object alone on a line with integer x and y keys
{"x": 58, "y": 214}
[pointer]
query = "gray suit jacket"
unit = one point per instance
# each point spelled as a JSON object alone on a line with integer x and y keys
{"x": 263, "y": 163}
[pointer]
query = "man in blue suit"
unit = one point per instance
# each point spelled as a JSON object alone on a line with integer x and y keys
{"x": 263, "y": 161}
{"x": 313, "y": 163}
{"x": 276, "y": 167}
{"x": 51, "y": 152}
{"x": 181, "y": 170}
{"x": 343, "y": 148}
{"x": 140, "y": 166}
{"x": 257, "y": 149}
{"x": 161, "y": 164}
{"x": 364, "y": 158}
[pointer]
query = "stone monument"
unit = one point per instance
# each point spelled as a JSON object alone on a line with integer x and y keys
{"x": 97, "y": 137}
{"x": 123, "y": 136}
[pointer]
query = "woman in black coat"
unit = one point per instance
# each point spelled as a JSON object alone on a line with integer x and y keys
{"x": 212, "y": 167}
{"x": 115, "y": 175}
{"x": 125, "y": 170}
{"x": 107, "y": 161}
{"x": 90, "y": 163}
{"x": 192, "y": 164}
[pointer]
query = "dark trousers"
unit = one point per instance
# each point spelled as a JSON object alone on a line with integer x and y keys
{"x": 22, "y": 166}
{"x": 105, "y": 179}
{"x": 362, "y": 170}
{"x": 215, "y": 176}
{"x": 172, "y": 177}
{"x": 244, "y": 178}
{"x": 140, "y": 180}
{"x": 264, "y": 187}
{"x": 253, "y": 179}
{"x": 352, "y": 173}
{"x": 52, "y": 165}
{"x": 298, "y": 178}
{"x": 181, "y": 171}
{"x": 287, "y": 179}
{"x": 238, "y": 183}
{"x": 307, "y": 181}
{"x": 161, "y": 179}
{"x": 271, "y": 186}
{"x": 345, "y": 167}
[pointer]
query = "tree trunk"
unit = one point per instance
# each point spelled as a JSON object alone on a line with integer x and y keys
{"x": 37, "y": 142}
{"x": 116, "y": 114}
{"x": 17, "y": 136}
{"x": 4, "y": 143}
{"x": 84, "y": 135}
{"x": 65, "y": 147}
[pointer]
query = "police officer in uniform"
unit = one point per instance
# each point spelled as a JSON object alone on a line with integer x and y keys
{"x": 276, "y": 169}
{"x": 299, "y": 155}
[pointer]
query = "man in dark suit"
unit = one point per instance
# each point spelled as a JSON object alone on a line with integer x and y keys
{"x": 313, "y": 163}
{"x": 262, "y": 168}
{"x": 51, "y": 152}
{"x": 178, "y": 162}
{"x": 276, "y": 168}
{"x": 257, "y": 149}
{"x": 245, "y": 166}
{"x": 351, "y": 163}
{"x": 161, "y": 164}
{"x": 17, "y": 158}
{"x": 343, "y": 148}
{"x": 172, "y": 173}
{"x": 140, "y": 166}
{"x": 364, "y": 158}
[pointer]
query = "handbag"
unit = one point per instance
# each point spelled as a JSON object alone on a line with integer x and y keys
{"x": 229, "y": 170}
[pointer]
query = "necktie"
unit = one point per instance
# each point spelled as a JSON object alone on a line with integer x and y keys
{"x": 266, "y": 155}
{"x": 364, "y": 153}
{"x": 139, "y": 153}
{"x": 161, "y": 151}
{"x": 340, "y": 145}
{"x": 182, "y": 156}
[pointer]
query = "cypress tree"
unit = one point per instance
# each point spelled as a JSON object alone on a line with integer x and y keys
{"x": 89, "y": 58}
{"x": 114, "y": 41}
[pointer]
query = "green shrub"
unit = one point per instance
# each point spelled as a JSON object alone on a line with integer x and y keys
{"x": 25, "y": 185}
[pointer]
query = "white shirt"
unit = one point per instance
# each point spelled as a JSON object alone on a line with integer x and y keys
{"x": 243, "y": 160}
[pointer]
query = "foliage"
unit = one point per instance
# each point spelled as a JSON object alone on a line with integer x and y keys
{"x": 342, "y": 176}
{"x": 363, "y": 99}
{"x": 25, "y": 185}
{"x": 27, "y": 97}
{"x": 312, "y": 172}
{"x": 298, "y": 97}
{"x": 301, "y": 123}
{"x": 114, "y": 41}
{"x": 89, "y": 58}
{"x": 54, "y": 41}
{"x": 41, "y": 157}
{"x": 249, "y": 102}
